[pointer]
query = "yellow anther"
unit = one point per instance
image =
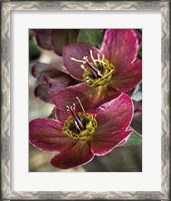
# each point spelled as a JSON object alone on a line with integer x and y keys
{"x": 90, "y": 127}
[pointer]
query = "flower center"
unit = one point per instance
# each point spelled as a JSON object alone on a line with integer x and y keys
{"x": 79, "y": 125}
{"x": 98, "y": 72}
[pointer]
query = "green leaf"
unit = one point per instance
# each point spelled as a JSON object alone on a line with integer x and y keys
{"x": 135, "y": 138}
{"x": 136, "y": 123}
{"x": 140, "y": 54}
{"x": 53, "y": 114}
{"x": 90, "y": 36}
{"x": 34, "y": 52}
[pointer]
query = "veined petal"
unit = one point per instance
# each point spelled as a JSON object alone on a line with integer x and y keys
{"x": 78, "y": 155}
{"x": 67, "y": 97}
{"x": 129, "y": 78}
{"x": 77, "y": 51}
{"x": 46, "y": 134}
{"x": 90, "y": 99}
{"x": 120, "y": 47}
{"x": 114, "y": 116}
{"x": 106, "y": 142}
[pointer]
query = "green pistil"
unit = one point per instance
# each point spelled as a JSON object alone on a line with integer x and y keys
{"x": 106, "y": 69}
{"x": 85, "y": 134}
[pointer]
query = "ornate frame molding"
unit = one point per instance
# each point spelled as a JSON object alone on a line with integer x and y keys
{"x": 7, "y": 7}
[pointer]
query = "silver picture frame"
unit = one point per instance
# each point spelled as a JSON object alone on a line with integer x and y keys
{"x": 7, "y": 8}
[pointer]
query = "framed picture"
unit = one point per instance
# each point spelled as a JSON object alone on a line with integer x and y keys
{"x": 85, "y": 89}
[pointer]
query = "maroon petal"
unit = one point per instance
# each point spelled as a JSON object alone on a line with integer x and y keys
{"x": 120, "y": 47}
{"x": 69, "y": 96}
{"x": 77, "y": 51}
{"x": 78, "y": 155}
{"x": 90, "y": 99}
{"x": 62, "y": 37}
{"x": 105, "y": 143}
{"x": 114, "y": 116}
{"x": 46, "y": 135}
{"x": 123, "y": 142}
{"x": 128, "y": 79}
{"x": 44, "y": 38}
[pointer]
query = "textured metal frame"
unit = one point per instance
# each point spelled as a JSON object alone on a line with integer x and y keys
{"x": 7, "y": 7}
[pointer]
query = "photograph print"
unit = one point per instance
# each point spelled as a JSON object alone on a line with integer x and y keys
{"x": 85, "y": 100}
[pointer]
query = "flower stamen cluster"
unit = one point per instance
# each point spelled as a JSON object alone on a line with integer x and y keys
{"x": 79, "y": 125}
{"x": 98, "y": 72}
{"x": 73, "y": 130}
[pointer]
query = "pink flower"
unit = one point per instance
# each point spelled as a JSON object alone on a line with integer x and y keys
{"x": 80, "y": 133}
{"x": 114, "y": 66}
